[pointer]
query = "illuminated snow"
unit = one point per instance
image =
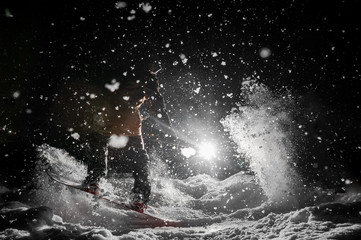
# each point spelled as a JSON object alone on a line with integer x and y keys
{"x": 265, "y": 52}
{"x": 188, "y": 152}
{"x": 257, "y": 132}
{"x": 113, "y": 86}
{"x": 233, "y": 208}
{"x": 16, "y": 94}
{"x": 76, "y": 136}
{"x": 146, "y": 7}
{"x": 120, "y": 5}
{"x": 118, "y": 141}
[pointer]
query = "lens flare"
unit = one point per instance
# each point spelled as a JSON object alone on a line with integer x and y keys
{"x": 207, "y": 150}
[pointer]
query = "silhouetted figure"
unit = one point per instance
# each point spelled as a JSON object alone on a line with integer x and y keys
{"x": 97, "y": 113}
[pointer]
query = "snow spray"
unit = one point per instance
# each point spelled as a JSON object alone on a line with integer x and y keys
{"x": 55, "y": 195}
{"x": 72, "y": 207}
{"x": 260, "y": 126}
{"x": 62, "y": 163}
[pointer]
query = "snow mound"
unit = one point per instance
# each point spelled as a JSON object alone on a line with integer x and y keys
{"x": 213, "y": 196}
{"x": 305, "y": 223}
{"x": 22, "y": 217}
{"x": 251, "y": 215}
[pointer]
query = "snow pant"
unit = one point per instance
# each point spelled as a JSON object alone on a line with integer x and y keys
{"x": 133, "y": 155}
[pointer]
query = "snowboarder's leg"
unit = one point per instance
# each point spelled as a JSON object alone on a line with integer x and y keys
{"x": 95, "y": 155}
{"x": 139, "y": 161}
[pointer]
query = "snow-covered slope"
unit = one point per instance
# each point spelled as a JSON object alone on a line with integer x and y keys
{"x": 235, "y": 208}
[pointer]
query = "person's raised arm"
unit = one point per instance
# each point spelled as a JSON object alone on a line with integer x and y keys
{"x": 155, "y": 102}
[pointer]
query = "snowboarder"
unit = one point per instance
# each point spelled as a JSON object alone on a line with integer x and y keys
{"x": 122, "y": 119}
{"x": 112, "y": 111}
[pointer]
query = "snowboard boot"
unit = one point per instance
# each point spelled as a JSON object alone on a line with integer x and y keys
{"x": 138, "y": 203}
{"x": 91, "y": 185}
{"x": 94, "y": 188}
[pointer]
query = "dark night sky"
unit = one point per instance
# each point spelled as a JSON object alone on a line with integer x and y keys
{"x": 315, "y": 49}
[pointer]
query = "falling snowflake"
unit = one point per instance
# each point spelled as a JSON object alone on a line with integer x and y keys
{"x": 75, "y": 135}
{"x": 146, "y": 7}
{"x": 113, "y": 86}
{"x": 130, "y": 18}
{"x": 183, "y": 58}
{"x": 8, "y": 14}
{"x": 16, "y": 94}
{"x": 265, "y": 52}
{"x": 120, "y": 5}
{"x": 188, "y": 152}
{"x": 197, "y": 90}
{"x": 116, "y": 141}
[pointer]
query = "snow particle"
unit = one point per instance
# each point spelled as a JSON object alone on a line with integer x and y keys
{"x": 75, "y": 135}
{"x": 130, "y": 18}
{"x": 188, "y": 152}
{"x": 16, "y": 94}
{"x": 183, "y": 57}
{"x": 8, "y": 14}
{"x": 120, "y": 5}
{"x": 146, "y": 7}
{"x": 348, "y": 181}
{"x": 118, "y": 141}
{"x": 265, "y": 52}
{"x": 113, "y": 86}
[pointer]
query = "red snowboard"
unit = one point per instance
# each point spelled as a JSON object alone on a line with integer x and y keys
{"x": 150, "y": 220}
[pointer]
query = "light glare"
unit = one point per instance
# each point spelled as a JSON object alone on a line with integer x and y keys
{"x": 207, "y": 150}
